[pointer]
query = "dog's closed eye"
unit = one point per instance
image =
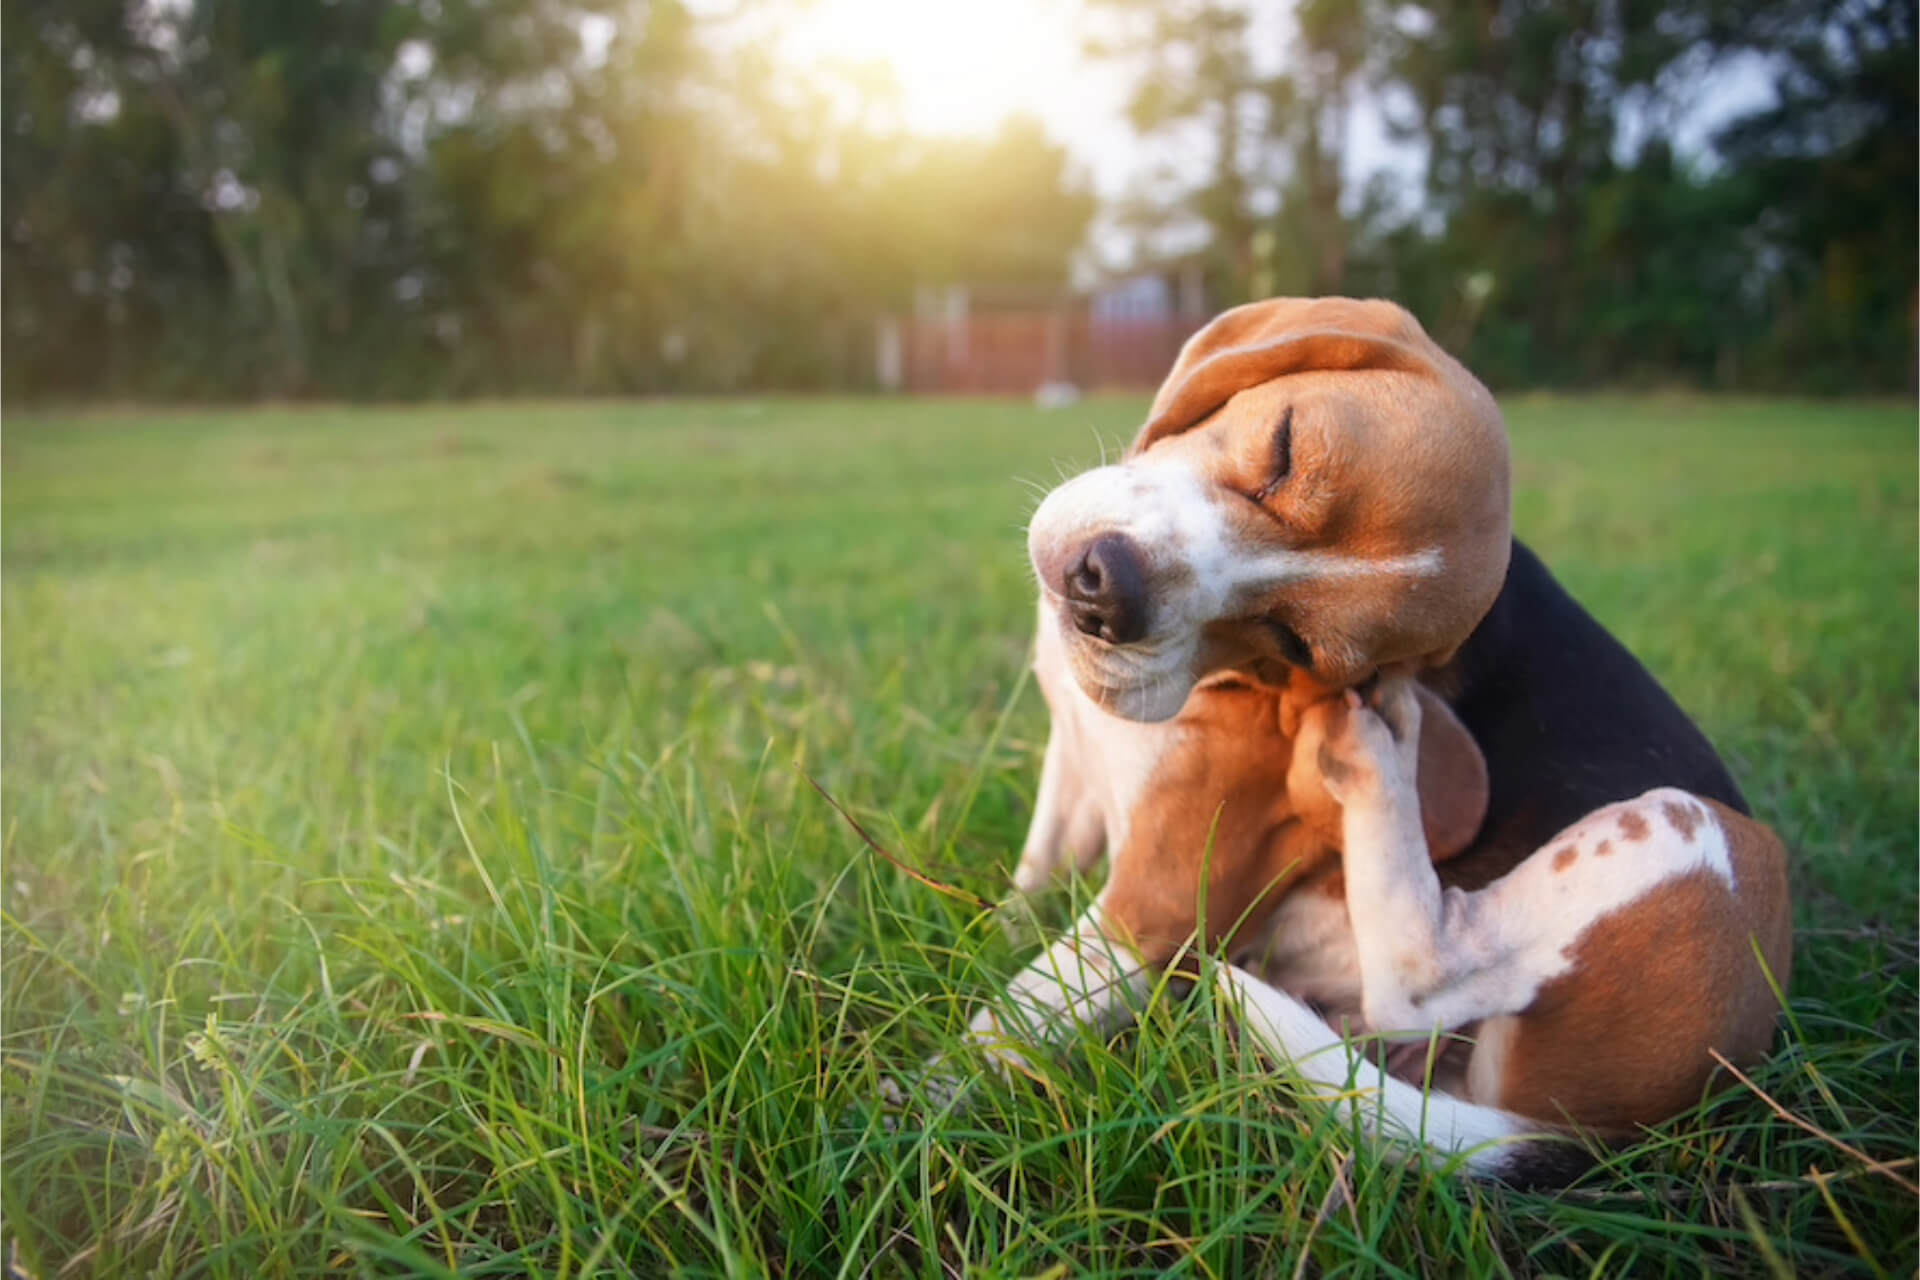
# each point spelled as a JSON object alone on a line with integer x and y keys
{"x": 1292, "y": 648}
{"x": 1282, "y": 456}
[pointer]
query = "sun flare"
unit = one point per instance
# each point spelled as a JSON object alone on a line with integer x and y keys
{"x": 961, "y": 68}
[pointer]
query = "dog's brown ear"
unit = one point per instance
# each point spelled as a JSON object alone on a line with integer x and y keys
{"x": 1452, "y": 778}
{"x": 1265, "y": 340}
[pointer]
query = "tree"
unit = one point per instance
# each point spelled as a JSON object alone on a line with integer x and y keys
{"x": 1559, "y": 235}
{"x": 220, "y": 197}
{"x": 1521, "y": 105}
{"x": 1827, "y": 179}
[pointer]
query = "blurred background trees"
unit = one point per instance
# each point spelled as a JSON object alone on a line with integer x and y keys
{"x": 373, "y": 198}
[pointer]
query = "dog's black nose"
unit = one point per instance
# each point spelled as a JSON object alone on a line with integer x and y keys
{"x": 1106, "y": 590}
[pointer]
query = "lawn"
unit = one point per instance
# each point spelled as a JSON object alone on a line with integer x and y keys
{"x": 410, "y": 864}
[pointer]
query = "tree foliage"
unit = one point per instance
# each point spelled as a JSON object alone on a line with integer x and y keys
{"x": 219, "y": 198}
{"x": 369, "y": 198}
{"x": 1559, "y": 235}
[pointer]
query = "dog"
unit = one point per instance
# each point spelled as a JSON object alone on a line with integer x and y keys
{"x": 1299, "y": 670}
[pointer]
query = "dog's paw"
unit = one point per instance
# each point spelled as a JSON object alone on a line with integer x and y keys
{"x": 1368, "y": 746}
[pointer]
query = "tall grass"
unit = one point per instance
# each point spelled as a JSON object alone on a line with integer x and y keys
{"x": 410, "y": 865}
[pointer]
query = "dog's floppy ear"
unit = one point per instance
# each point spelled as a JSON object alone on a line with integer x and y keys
{"x": 1452, "y": 778}
{"x": 1264, "y": 340}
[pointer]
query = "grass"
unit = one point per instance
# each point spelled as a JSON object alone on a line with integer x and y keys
{"x": 409, "y": 868}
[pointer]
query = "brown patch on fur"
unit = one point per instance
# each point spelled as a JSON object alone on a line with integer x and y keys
{"x": 1602, "y": 849}
{"x": 1654, "y": 986}
{"x": 1564, "y": 858}
{"x": 1760, "y": 869}
{"x": 1683, "y": 819}
{"x": 1633, "y": 827}
{"x": 1242, "y": 799}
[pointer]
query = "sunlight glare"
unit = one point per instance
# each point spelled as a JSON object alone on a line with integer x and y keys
{"x": 961, "y": 68}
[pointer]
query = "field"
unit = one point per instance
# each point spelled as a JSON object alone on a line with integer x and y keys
{"x": 410, "y": 864}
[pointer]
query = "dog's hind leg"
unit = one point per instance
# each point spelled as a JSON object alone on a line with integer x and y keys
{"x": 1654, "y": 931}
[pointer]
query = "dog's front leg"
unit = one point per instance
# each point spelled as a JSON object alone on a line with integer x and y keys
{"x": 1068, "y": 822}
{"x": 1084, "y": 978}
{"x": 1069, "y": 812}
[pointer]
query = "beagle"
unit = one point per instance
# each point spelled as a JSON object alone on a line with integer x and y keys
{"x": 1514, "y": 848}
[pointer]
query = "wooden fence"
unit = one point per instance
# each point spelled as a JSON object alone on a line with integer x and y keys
{"x": 1017, "y": 352}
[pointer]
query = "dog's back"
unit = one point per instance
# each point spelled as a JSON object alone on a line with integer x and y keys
{"x": 1568, "y": 719}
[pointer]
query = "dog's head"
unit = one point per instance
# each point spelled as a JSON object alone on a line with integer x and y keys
{"x": 1319, "y": 489}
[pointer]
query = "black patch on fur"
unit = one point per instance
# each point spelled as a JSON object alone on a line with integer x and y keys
{"x": 1568, "y": 720}
{"x": 1545, "y": 1163}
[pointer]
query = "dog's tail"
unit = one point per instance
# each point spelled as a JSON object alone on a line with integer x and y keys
{"x": 1438, "y": 1129}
